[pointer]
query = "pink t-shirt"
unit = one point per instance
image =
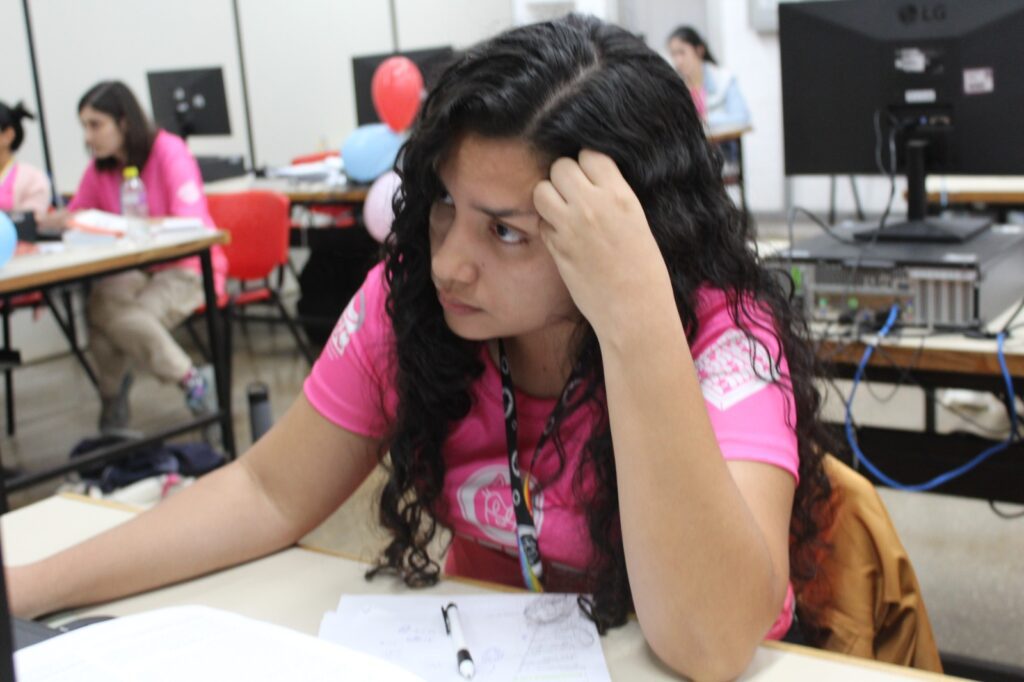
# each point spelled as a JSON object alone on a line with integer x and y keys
{"x": 352, "y": 386}
{"x": 174, "y": 187}
{"x": 24, "y": 188}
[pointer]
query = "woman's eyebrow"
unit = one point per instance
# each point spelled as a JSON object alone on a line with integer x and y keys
{"x": 505, "y": 212}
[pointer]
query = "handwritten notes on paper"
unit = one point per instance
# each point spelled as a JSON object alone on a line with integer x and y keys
{"x": 520, "y": 637}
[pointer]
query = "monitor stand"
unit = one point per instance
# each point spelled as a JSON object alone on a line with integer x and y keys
{"x": 918, "y": 227}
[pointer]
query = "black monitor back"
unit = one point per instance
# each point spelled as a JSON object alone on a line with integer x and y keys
{"x": 190, "y": 102}
{"x": 945, "y": 71}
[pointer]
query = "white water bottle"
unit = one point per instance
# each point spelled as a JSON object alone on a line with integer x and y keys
{"x": 134, "y": 206}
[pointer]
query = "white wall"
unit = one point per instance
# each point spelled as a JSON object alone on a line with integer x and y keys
{"x": 79, "y": 43}
{"x": 460, "y": 23}
{"x": 655, "y": 19}
{"x": 754, "y": 58}
{"x": 298, "y": 61}
{"x": 17, "y": 77}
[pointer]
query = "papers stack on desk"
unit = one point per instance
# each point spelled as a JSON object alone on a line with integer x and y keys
{"x": 520, "y": 637}
{"x": 329, "y": 170}
{"x": 195, "y": 643}
{"x": 100, "y": 227}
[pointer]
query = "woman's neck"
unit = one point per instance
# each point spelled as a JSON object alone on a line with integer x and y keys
{"x": 540, "y": 362}
{"x": 6, "y": 159}
{"x": 696, "y": 80}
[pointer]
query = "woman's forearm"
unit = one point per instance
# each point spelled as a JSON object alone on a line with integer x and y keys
{"x": 222, "y": 519}
{"x": 700, "y": 570}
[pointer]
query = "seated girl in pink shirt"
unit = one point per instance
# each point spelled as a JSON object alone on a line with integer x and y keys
{"x": 131, "y": 314}
{"x": 570, "y": 358}
{"x": 22, "y": 187}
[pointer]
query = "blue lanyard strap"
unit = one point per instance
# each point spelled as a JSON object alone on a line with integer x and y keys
{"x": 526, "y": 531}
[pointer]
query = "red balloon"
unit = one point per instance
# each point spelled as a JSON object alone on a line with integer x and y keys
{"x": 396, "y": 88}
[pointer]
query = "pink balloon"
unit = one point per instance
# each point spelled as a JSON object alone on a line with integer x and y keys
{"x": 377, "y": 212}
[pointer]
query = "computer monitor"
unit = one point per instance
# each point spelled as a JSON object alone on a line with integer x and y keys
{"x": 431, "y": 61}
{"x": 190, "y": 102}
{"x": 938, "y": 77}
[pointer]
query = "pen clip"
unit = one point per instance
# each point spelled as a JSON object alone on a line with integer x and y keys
{"x": 447, "y": 623}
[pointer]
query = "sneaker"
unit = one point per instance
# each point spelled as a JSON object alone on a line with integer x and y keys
{"x": 197, "y": 392}
{"x": 115, "y": 412}
{"x": 201, "y": 399}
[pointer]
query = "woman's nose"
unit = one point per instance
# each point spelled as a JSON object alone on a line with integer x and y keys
{"x": 454, "y": 259}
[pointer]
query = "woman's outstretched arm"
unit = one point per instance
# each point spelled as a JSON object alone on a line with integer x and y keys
{"x": 286, "y": 484}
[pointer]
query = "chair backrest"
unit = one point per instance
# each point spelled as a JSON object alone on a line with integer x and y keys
{"x": 258, "y": 222}
{"x": 872, "y": 604}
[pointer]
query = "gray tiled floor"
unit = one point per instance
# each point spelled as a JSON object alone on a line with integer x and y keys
{"x": 970, "y": 562}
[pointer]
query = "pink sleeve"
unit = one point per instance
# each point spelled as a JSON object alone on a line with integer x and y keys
{"x": 746, "y": 386}
{"x": 351, "y": 383}
{"x": 32, "y": 190}
{"x": 182, "y": 180}
{"x": 87, "y": 194}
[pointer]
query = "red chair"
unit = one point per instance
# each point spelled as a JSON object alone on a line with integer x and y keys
{"x": 258, "y": 222}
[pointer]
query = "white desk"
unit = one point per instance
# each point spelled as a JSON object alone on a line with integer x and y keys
{"x": 299, "y": 192}
{"x": 296, "y": 586}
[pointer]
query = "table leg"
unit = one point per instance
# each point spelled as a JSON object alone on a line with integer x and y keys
{"x": 220, "y": 354}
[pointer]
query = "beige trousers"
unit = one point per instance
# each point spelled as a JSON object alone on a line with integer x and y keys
{"x": 130, "y": 315}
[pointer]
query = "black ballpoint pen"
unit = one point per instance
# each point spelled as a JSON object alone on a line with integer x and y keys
{"x": 453, "y": 627}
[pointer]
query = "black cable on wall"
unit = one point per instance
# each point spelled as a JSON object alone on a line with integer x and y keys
{"x": 39, "y": 102}
{"x": 245, "y": 84}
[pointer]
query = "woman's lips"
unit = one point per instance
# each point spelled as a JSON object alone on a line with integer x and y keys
{"x": 454, "y": 305}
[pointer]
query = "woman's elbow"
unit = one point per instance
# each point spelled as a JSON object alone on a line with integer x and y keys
{"x": 715, "y": 664}
{"x": 725, "y": 658}
{"x": 713, "y": 651}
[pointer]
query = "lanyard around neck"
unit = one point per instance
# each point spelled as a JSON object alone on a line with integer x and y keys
{"x": 526, "y": 531}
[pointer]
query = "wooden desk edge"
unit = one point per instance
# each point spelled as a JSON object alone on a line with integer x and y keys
{"x": 912, "y": 358}
{"x": 977, "y": 197}
{"x": 727, "y": 134}
{"x": 113, "y": 262}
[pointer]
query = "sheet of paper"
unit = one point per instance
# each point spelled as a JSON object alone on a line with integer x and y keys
{"x": 178, "y": 224}
{"x": 195, "y": 643}
{"x": 518, "y": 637}
{"x": 101, "y": 222}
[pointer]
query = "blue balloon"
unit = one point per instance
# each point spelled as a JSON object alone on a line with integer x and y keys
{"x": 370, "y": 150}
{"x": 8, "y": 238}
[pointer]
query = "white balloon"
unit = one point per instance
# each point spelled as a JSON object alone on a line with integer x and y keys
{"x": 377, "y": 209}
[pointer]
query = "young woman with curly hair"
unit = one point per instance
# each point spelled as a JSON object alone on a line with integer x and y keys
{"x": 569, "y": 357}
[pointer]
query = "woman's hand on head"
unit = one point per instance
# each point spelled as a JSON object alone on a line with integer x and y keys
{"x": 595, "y": 228}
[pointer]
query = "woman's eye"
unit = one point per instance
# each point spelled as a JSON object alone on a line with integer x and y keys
{"x": 445, "y": 198}
{"x": 508, "y": 235}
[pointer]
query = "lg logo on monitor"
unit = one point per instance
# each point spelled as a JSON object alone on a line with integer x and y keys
{"x": 911, "y": 13}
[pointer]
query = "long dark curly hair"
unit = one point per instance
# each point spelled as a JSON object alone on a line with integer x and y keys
{"x": 562, "y": 86}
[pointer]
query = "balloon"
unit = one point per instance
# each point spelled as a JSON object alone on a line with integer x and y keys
{"x": 8, "y": 238}
{"x": 397, "y": 88}
{"x": 370, "y": 150}
{"x": 378, "y": 213}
